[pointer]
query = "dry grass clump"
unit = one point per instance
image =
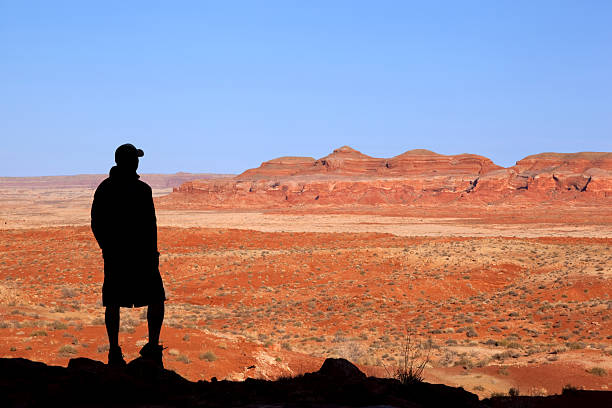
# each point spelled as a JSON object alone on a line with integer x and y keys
{"x": 208, "y": 356}
{"x": 598, "y": 371}
{"x": 415, "y": 357}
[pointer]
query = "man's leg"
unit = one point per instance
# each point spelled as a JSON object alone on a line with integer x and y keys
{"x": 111, "y": 319}
{"x": 155, "y": 318}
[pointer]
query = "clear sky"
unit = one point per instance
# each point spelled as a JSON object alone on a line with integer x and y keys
{"x": 220, "y": 86}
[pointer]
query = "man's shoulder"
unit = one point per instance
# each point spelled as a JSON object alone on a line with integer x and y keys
{"x": 144, "y": 185}
{"x": 104, "y": 184}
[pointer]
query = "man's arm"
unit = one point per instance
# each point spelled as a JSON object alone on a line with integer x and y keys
{"x": 153, "y": 223}
{"x": 98, "y": 219}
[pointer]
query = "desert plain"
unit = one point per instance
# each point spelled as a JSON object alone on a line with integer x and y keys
{"x": 499, "y": 293}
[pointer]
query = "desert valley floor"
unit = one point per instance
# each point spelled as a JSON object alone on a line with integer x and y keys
{"x": 520, "y": 303}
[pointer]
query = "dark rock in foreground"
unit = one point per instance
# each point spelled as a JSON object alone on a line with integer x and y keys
{"x": 89, "y": 383}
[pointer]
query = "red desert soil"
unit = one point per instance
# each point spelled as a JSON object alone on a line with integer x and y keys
{"x": 497, "y": 312}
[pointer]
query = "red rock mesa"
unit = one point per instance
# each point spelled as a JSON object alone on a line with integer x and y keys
{"x": 347, "y": 177}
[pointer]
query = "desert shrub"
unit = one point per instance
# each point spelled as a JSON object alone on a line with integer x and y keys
{"x": 39, "y": 333}
{"x": 183, "y": 358}
{"x": 59, "y": 325}
{"x": 513, "y": 392}
{"x": 578, "y": 345}
{"x": 598, "y": 371}
{"x": 208, "y": 356}
{"x": 502, "y": 356}
{"x": 68, "y": 292}
{"x": 465, "y": 362}
{"x": 127, "y": 329}
{"x": 471, "y": 332}
{"x": 67, "y": 351}
{"x": 478, "y": 388}
{"x": 103, "y": 348}
{"x": 482, "y": 363}
{"x": 513, "y": 344}
{"x": 286, "y": 346}
{"x": 415, "y": 355}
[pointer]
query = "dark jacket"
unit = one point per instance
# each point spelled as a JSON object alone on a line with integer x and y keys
{"x": 124, "y": 224}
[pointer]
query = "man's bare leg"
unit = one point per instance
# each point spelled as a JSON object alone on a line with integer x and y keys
{"x": 155, "y": 318}
{"x": 111, "y": 319}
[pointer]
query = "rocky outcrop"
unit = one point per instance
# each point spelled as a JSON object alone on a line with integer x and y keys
{"x": 422, "y": 162}
{"x": 567, "y": 162}
{"x": 89, "y": 383}
{"x": 282, "y": 166}
{"x": 548, "y": 175}
{"x": 347, "y": 177}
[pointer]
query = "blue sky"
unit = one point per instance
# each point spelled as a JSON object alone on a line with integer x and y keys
{"x": 221, "y": 86}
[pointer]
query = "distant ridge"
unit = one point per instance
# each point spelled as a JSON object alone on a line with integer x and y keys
{"x": 92, "y": 180}
{"x": 347, "y": 177}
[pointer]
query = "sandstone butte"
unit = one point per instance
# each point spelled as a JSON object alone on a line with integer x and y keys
{"x": 349, "y": 178}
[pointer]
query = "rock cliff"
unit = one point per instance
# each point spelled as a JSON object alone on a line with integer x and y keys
{"x": 347, "y": 177}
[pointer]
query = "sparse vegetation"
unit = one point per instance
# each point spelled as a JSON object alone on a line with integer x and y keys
{"x": 67, "y": 351}
{"x": 415, "y": 356}
{"x": 598, "y": 371}
{"x": 183, "y": 358}
{"x": 509, "y": 311}
{"x": 208, "y": 356}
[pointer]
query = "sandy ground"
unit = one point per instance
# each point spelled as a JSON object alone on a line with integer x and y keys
{"x": 34, "y": 208}
{"x": 401, "y": 226}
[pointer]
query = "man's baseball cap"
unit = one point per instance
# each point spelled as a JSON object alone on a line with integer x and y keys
{"x": 127, "y": 150}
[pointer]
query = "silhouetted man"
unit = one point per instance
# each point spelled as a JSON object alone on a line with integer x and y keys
{"x": 124, "y": 224}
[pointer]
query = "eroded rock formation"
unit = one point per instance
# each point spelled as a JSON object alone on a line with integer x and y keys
{"x": 347, "y": 177}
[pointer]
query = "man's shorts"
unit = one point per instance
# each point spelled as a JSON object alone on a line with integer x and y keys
{"x": 127, "y": 284}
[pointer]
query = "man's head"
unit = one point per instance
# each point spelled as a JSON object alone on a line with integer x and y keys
{"x": 126, "y": 156}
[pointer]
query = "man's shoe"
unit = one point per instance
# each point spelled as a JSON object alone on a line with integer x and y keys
{"x": 153, "y": 352}
{"x": 115, "y": 357}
